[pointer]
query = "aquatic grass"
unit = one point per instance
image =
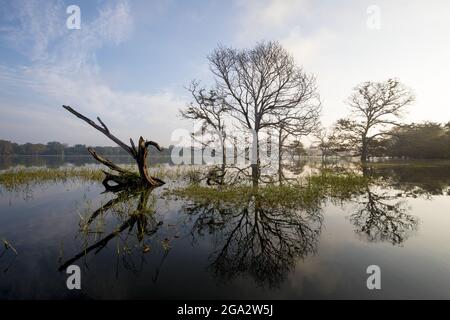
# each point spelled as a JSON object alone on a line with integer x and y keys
{"x": 306, "y": 192}
{"x": 23, "y": 178}
{"x": 338, "y": 185}
{"x": 8, "y": 245}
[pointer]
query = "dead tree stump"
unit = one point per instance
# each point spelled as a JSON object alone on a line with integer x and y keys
{"x": 123, "y": 179}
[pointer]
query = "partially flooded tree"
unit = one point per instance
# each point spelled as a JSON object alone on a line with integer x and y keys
{"x": 124, "y": 178}
{"x": 295, "y": 123}
{"x": 210, "y": 108}
{"x": 375, "y": 109}
{"x": 257, "y": 85}
{"x": 326, "y": 142}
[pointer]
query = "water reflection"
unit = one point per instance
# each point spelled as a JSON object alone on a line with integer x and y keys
{"x": 381, "y": 217}
{"x": 139, "y": 223}
{"x": 254, "y": 244}
{"x": 8, "y": 256}
{"x": 255, "y": 238}
{"x": 415, "y": 180}
{"x": 11, "y": 162}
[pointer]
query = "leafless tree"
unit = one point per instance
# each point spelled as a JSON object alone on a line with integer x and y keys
{"x": 326, "y": 141}
{"x": 295, "y": 123}
{"x": 258, "y": 84}
{"x": 375, "y": 109}
{"x": 210, "y": 108}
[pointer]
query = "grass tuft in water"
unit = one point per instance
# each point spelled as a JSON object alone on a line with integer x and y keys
{"x": 311, "y": 190}
{"x": 24, "y": 178}
{"x": 12, "y": 180}
{"x": 8, "y": 245}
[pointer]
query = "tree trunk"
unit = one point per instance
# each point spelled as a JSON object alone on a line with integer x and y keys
{"x": 280, "y": 156}
{"x": 224, "y": 155}
{"x": 255, "y": 160}
{"x": 364, "y": 151}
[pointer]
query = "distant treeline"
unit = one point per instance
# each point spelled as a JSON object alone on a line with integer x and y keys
{"x": 59, "y": 149}
{"x": 422, "y": 141}
{"x": 426, "y": 140}
{"x": 415, "y": 141}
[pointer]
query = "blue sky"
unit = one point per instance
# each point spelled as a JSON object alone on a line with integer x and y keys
{"x": 130, "y": 61}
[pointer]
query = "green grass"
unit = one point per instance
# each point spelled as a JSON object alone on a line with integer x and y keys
{"x": 338, "y": 185}
{"x": 24, "y": 178}
{"x": 303, "y": 193}
{"x": 14, "y": 179}
{"x": 8, "y": 246}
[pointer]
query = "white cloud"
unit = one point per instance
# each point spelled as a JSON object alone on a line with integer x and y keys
{"x": 40, "y": 25}
{"x": 411, "y": 45}
{"x": 66, "y": 72}
{"x": 127, "y": 114}
{"x": 260, "y": 19}
{"x": 307, "y": 48}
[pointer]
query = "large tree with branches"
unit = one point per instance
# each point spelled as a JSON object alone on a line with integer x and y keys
{"x": 259, "y": 85}
{"x": 375, "y": 110}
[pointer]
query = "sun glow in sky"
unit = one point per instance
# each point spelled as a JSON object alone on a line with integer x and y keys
{"x": 131, "y": 60}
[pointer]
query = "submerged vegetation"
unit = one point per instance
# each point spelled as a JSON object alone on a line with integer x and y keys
{"x": 8, "y": 246}
{"x": 27, "y": 177}
{"x": 22, "y": 178}
{"x": 302, "y": 192}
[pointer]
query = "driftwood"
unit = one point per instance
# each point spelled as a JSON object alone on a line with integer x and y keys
{"x": 124, "y": 178}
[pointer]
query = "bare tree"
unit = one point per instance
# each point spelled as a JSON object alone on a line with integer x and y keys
{"x": 210, "y": 108}
{"x": 258, "y": 84}
{"x": 326, "y": 141}
{"x": 300, "y": 121}
{"x": 375, "y": 109}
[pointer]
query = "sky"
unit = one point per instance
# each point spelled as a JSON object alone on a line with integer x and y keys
{"x": 131, "y": 61}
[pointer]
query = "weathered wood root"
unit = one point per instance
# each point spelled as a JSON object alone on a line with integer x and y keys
{"x": 124, "y": 179}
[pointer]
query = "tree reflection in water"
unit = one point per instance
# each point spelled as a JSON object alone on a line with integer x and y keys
{"x": 414, "y": 180}
{"x": 256, "y": 238}
{"x": 381, "y": 214}
{"x": 382, "y": 217}
{"x": 263, "y": 234}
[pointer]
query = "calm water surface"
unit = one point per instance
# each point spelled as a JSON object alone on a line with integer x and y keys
{"x": 182, "y": 249}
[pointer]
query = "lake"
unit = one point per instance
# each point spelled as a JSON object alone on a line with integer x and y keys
{"x": 185, "y": 249}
